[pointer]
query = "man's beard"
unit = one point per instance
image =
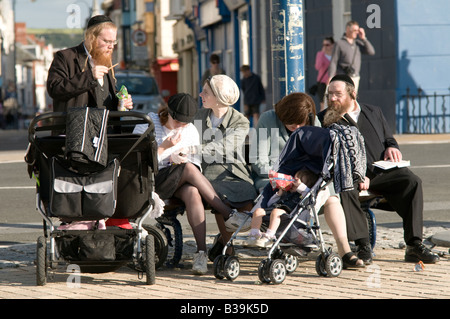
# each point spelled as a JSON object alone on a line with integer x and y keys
{"x": 334, "y": 113}
{"x": 99, "y": 57}
{"x": 331, "y": 116}
{"x": 336, "y": 106}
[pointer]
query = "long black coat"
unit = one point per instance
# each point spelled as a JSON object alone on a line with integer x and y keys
{"x": 70, "y": 81}
{"x": 400, "y": 187}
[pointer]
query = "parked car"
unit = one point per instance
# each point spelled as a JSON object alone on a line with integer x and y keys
{"x": 143, "y": 89}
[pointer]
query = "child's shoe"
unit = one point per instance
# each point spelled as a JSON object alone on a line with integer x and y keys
{"x": 253, "y": 241}
{"x": 266, "y": 240}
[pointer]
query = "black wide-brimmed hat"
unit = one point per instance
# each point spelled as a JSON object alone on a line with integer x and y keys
{"x": 182, "y": 107}
{"x": 97, "y": 20}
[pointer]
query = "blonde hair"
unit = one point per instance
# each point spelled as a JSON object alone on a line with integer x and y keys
{"x": 91, "y": 35}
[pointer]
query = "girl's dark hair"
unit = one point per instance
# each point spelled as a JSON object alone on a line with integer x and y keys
{"x": 329, "y": 39}
{"x": 295, "y": 108}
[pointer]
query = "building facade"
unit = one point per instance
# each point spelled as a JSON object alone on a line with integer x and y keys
{"x": 405, "y": 77}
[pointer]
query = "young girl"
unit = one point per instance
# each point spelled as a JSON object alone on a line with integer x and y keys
{"x": 180, "y": 173}
{"x": 281, "y": 203}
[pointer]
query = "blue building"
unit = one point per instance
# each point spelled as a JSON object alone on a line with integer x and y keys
{"x": 412, "y": 56}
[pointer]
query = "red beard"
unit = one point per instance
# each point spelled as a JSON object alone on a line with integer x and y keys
{"x": 101, "y": 57}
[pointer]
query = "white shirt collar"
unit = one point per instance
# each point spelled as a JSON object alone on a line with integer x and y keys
{"x": 355, "y": 114}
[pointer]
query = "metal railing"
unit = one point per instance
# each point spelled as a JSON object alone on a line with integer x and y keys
{"x": 425, "y": 114}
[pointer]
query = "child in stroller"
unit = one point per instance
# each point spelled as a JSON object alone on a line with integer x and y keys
{"x": 325, "y": 153}
{"x": 290, "y": 190}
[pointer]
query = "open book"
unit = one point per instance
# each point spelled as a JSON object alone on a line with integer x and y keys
{"x": 388, "y": 164}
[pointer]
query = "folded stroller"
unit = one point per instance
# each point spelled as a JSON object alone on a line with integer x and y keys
{"x": 88, "y": 169}
{"x": 320, "y": 151}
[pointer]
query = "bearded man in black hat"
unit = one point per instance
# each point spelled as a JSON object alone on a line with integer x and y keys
{"x": 83, "y": 75}
{"x": 399, "y": 186}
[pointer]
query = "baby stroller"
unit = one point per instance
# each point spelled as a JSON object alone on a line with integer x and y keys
{"x": 77, "y": 189}
{"x": 314, "y": 149}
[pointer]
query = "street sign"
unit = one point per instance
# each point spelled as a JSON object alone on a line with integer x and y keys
{"x": 139, "y": 37}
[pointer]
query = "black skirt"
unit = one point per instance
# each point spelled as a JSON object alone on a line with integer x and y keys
{"x": 167, "y": 179}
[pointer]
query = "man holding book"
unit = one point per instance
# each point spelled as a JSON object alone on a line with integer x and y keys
{"x": 399, "y": 186}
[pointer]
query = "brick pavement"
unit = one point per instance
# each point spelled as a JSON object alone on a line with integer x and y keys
{"x": 389, "y": 277}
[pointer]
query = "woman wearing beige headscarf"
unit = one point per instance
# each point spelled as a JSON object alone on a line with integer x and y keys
{"x": 223, "y": 131}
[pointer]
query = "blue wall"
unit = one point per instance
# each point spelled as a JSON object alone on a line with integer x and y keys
{"x": 424, "y": 45}
{"x": 423, "y": 55}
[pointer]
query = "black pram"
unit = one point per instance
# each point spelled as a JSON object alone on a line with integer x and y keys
{"x": 85, "y": 185}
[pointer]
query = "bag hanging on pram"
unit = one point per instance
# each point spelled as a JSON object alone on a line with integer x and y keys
{"x": 86, "y": 139}
{"x": 83, "y": 196}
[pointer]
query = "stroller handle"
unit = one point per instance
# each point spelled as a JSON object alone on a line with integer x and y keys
{"x": 44, "y": 121}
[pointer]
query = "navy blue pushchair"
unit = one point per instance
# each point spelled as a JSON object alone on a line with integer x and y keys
{"x": 310, "y": 148}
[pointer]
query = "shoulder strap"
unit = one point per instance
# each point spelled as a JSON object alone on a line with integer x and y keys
{"x": 354, "y": 54}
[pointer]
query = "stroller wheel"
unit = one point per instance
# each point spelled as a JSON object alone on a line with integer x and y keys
{"x": 333, "y": 265}
{"x": 320, "y": 266}
{"x": 277, "y": 271}
{"x": 291, "y": 263}
{"x": 161, "y": 244}
{"x": 218, "y": 267}
{"x": 372, "y": 223}
{"x": 231, "y": 267}
{"x": 329, "y": 265}
{"x": 150, "y": 259}
{"x": 263, "y": 271}
{"x": 41, "y": 261}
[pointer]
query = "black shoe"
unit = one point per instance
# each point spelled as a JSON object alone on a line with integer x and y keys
{"x": 217, "y": 249}
{"x": 420, "y": 252}
{"x": 365, "y": 253}
{"x": 351, "y": 261}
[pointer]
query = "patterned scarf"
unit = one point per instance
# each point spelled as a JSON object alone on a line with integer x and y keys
{"x": 349, "y": 156}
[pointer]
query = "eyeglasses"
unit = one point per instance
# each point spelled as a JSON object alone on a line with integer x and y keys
{"x": 109, "y": 42}
{"x": 338, "y": 95}
{"x": 326, "y": 45}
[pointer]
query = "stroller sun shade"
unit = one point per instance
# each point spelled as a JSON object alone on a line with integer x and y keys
{"x": 309, "y": 147}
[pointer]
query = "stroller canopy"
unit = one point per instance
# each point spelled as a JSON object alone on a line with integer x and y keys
{"x": 309, "y": 147}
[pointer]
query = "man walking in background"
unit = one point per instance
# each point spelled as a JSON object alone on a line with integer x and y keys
{"x": 346, "y": 57}
{"x": 254, "y": 93}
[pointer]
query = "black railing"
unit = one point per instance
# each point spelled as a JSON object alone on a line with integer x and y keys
{"x": 426, "y": 114}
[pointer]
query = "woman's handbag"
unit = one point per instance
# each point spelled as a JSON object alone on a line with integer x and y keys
{"x": 313, "y": 89}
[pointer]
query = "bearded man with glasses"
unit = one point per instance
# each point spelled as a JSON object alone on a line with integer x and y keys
{"x": 401, "y": 188}
{"x": 83, "y": 75}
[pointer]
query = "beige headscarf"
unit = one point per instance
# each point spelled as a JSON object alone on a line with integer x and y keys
{"x": 225, "y": 89}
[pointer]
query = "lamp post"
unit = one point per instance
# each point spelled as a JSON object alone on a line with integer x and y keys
{"x": 287, "y": 48}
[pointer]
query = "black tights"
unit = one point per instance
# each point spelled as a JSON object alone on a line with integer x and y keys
{"x": 192, "y": 187}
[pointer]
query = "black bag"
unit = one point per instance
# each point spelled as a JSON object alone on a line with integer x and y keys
{"x": 313, "y": 89}
{"x": 97, "y": 245}
{"x": 349, "y": 70}
{"x": 83, "y": 196}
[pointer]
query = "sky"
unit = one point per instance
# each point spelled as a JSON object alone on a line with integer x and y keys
{"x": 54, "y": 14}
